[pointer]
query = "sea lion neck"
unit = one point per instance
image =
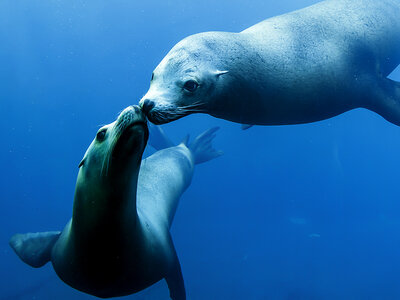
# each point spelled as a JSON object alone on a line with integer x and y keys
{"x": 100, "y": 203}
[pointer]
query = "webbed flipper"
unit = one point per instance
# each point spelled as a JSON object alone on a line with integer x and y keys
{"x": 202, "y": 148}
{"x": 34, "y": 249}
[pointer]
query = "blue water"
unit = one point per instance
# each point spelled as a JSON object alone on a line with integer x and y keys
{"x": 290, "y": 212}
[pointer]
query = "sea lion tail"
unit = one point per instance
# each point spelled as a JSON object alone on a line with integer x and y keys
{"x": 34, "y": 249}
{"x": 202, "y": 149}
{"x": 387, "y": 100}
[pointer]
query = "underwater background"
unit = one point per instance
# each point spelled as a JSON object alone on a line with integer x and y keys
{"x": 288, "y": 212}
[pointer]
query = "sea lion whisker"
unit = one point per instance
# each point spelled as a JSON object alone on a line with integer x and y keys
{"x": 194, "y": 110}
{"x": 197, "y": 104}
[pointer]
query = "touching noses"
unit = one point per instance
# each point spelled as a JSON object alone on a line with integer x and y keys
{"x": 147, "y": 105}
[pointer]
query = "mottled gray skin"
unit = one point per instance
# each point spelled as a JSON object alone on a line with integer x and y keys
{"x": 300, "y": 67}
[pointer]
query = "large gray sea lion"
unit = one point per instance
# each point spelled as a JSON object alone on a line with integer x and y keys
{"x": 118, "y": 241}
{"x": 304, "y": 66}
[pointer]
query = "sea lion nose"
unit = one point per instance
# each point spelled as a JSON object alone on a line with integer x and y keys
{"x": 147, "y": 106}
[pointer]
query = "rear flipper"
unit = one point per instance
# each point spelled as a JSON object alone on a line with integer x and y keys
{"x": 34, "y": 249}
{"x": 387, "y": 100}
{"x": 201, "y": 147}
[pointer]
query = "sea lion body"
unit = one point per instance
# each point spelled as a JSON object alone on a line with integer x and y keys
{"x": 134, "y": 253}
{"x": 118, "y": 240}
{"x": 300, "y": 67}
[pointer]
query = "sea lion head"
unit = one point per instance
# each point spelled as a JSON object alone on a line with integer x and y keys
{"x": 185, "y": 81}
{"x": 115, "y": 153}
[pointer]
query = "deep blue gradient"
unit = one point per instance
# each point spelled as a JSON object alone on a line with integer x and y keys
{"x": 290, "y": 212}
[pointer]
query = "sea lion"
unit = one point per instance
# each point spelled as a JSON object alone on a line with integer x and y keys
{"x": 118, "y": 241}
{"x": 300, "y": 67}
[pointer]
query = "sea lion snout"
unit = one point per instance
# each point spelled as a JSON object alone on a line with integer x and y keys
{"x": 147, "y": 105}
{"x": 160, "y": 111}
{"x": 130, "y": 116}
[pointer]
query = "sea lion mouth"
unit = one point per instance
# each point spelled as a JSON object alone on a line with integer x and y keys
{"x": 128, "y": 118}
{"x": 127, "y": 132}
{"x": 130, "y": 140}
{"x": 130, "y": 145}
{"x": 159, "y": 117}
{"x": 163, "y": 115}
{"x": 130, "y": 129}
{"x": 130, "y": 135}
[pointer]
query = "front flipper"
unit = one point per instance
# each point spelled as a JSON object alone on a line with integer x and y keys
{"x": 175, "y": 282}
{"x": 34, "y": 249}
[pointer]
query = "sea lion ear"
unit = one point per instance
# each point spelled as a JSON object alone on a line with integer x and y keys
{"x": 219, "y": 73}
{"x": 84, "y": 157}
{"x": 81, "y": 163}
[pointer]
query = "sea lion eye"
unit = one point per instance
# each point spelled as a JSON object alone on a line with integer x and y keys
{"x": 100, "y": 136}
{"x": 191, "y": 85}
